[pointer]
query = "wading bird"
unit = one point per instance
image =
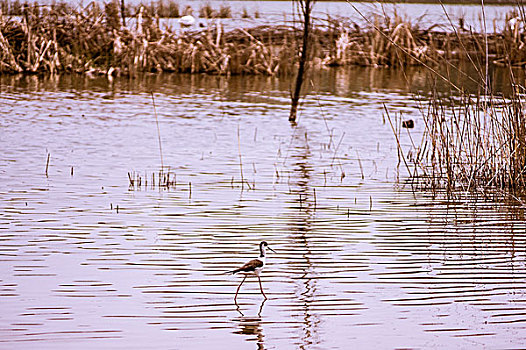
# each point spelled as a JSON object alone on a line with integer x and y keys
{"x": 253, "y": 267}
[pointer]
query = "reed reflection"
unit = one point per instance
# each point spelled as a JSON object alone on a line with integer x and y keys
{"x": 340, "y": 81}
{"x": 475, "y": 225}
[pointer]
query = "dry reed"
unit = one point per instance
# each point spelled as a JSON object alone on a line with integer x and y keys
{"x": 92, "y": 40}
{"x": 476, "y": 143}
{"x": 162, "y": 180}
{"x": 207, "y": 11}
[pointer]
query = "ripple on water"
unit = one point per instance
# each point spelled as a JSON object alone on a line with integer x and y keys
{"x": 87, "y": 261}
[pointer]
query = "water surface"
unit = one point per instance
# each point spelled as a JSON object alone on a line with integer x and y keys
{"x": 362, "y": 260}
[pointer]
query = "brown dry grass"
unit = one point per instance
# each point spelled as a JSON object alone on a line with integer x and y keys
{"x": 92, "y": 40}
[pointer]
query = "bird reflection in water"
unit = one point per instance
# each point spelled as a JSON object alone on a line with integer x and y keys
{"x": 250, "y": 326}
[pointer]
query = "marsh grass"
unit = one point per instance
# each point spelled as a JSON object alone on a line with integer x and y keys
{"x": 477, "y": 142}
{"x": 473, "y": 142}
{"x": 207, "y": 11}
{"x": 164, "y": 179}
{"x": 62, "y": 38}
{"x": 159, "y": 8}
{"x": 92, "y": 40}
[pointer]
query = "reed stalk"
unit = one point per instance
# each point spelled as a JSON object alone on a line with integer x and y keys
{"x": 47, "y": 164}
{"x": 240, "y": 159}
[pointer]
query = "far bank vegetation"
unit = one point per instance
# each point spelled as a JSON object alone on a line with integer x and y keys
{"x": 62, "y": 38}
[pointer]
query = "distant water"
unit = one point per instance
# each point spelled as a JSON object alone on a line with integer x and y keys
{"x": 362, "y": 260}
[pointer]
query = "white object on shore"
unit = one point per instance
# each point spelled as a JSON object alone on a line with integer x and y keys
{"x": 187, "y": 21}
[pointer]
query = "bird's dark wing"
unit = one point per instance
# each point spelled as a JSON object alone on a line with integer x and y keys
{"x": 250, "y": 266}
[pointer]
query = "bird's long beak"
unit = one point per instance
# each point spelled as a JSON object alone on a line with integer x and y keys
{"x": 271, "y": 249}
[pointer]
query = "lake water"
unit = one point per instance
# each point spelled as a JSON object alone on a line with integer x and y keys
{"x": 362, "y": 261}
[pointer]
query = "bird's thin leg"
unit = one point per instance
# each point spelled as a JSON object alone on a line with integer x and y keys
{"x": 238, "y": 309}
{"x": 237, "y": 291}
{"x": 261, "y": 307}
{"x": 261, "y": 287}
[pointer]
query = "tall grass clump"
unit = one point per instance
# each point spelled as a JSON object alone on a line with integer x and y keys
{"x": 160, "y": 8}
{"x": 207, "y": 11}
{"x": 477, "y": 141}
{"x": 244, "y": 13}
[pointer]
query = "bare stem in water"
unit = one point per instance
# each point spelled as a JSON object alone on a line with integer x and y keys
{"x": 47, "y": 164}
{"x": 240, "y": 160}
{"x": 158, "y": 131}
{"x": 306, "y": 9}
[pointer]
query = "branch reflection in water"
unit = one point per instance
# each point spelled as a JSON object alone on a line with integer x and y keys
{"x": 300, "y": 227}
